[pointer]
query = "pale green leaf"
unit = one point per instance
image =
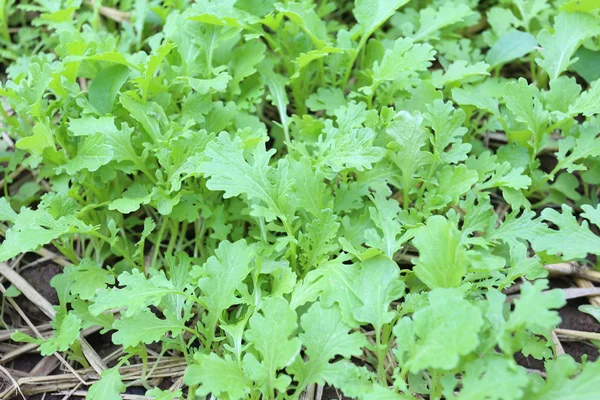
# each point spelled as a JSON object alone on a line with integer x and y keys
{"x": 570, "y": 240}
{"x": 41, "y": 139}
{"x": 588, "y": 103}
{"x": 136, "y": 293}
{"x": 404, "y": 58}
{"x": 144, "y": 327}
{"x": 109, "y": 387}
{"x": 372, "y": 14}
{"x": 439, "y": 334}
{"x": 222, "y": 276}
{"x": 566, "y": 382}
{"x": 63, "y": 336}
{"x": 103, "y": 89}
{"x": 87, "y": 278}
{"x": 219, "y": 376}
{"x": 325, "y": 336}
{"x": 432, "y": 20}
{"x": 442, "y": 257}
{"x": 270, "y": 334}
{"x": 346, "y": 149}
{"x": 570, "y": 30}
{"x": 92, "y": 153}
{"x": 377, "y": 285}
{"x": 511, "y": 46}
{"x": 385, "y": 215}
{"x": 6, "y": 211}
{"x": 458, "y": 71}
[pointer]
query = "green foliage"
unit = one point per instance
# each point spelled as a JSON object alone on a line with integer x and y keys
{"x": 274, "y": 191}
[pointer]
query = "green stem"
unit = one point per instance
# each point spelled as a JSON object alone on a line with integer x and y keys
{"x": 545, "y": 179}
{"x": 115, "y": 246}
{"x": 297, "y": 92}
{"x": 159, "y": 238}
{"x": 532, "y": 68}
{"x": 380, "y": 352}
{"x": 353, "y": 57}
{"x": 210, "y": 331}
{"x": 144, "y": 357}
{"x": 192, "y": 392}
{"x": 405, "y": 192}
{"x": 435, "y": 392}
{"x": 290, "y": 233}
{"x": 68, "y": 252}
{"x": 173, "y": 237}
{"x": 430, "y": 174}
{"x": 182, "y": 235}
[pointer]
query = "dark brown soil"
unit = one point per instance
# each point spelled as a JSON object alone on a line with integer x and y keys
{"x": 330, "y": 393}
{"x": 39, "y": 277}
{"x": 574, "y": 319}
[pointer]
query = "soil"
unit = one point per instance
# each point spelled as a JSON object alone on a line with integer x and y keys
{"x": 574, "y": 319}
{"x": 39, "y": 277}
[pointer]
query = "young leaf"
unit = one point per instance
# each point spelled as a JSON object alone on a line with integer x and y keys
{"x": 269, "y": 334}
{"x": 407, "y": 152}
{"x": 523, "y": 101}
{"x": 571, "y": 240}
{"x": 66, "y": 332}
{"x": 228, "y": 171}
{"x": 447, "y": 123}
{"x": 432, "y": 20}
{"x": 119, "y": 140}
{"x": 481, "y": 377}
{"x": 306, "y": 18}
{"x": 457, "y": 71}
{"x": 442, "y": 259}
{"x": 219, "y": 376}
{"x": 570, "y": 30}
{"x": 515, "y": 229}
{"x": 159, "y": 394}
{"x": 92, "y": 153}
{"x": 42, "y": 139}
{"x": 345, "y": 149}
{"x": 439, "y": 334}
{"x": 103, "y": 89}
{"x": 377, "y": 285}
{"x": 385, "y": 215}
{"x": 244, "y": 62}
{"x": 564, "y": 381}
{"x": 318, "y": 240}
{"x": 511, "y": 46}
{"x": 223, "y": 275}
{"x": 594, "y": 311}
{"x": 533, "y": 309}
{"x": 6, "y": 211}
{"x": 325, "y": 336}
{"x": 276, "y": 84}
{"x": 33, "y": 229}
{"x": 87, "y": 278}
{"x": 372, "y": 14}
{"x": 144, "y": 327}
{"x": 571, "y": 150}
{"x": 588, "y": 103}
{"x": 404, "y": 58}
{"x": 109, "y": 387}
{"x": 137, "y": 293}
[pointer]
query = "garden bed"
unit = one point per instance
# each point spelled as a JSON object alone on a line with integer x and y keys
{"x": 300, "y": 200}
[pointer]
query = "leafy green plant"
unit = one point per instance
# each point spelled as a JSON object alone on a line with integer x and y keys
{"x": 293, "y": 193}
